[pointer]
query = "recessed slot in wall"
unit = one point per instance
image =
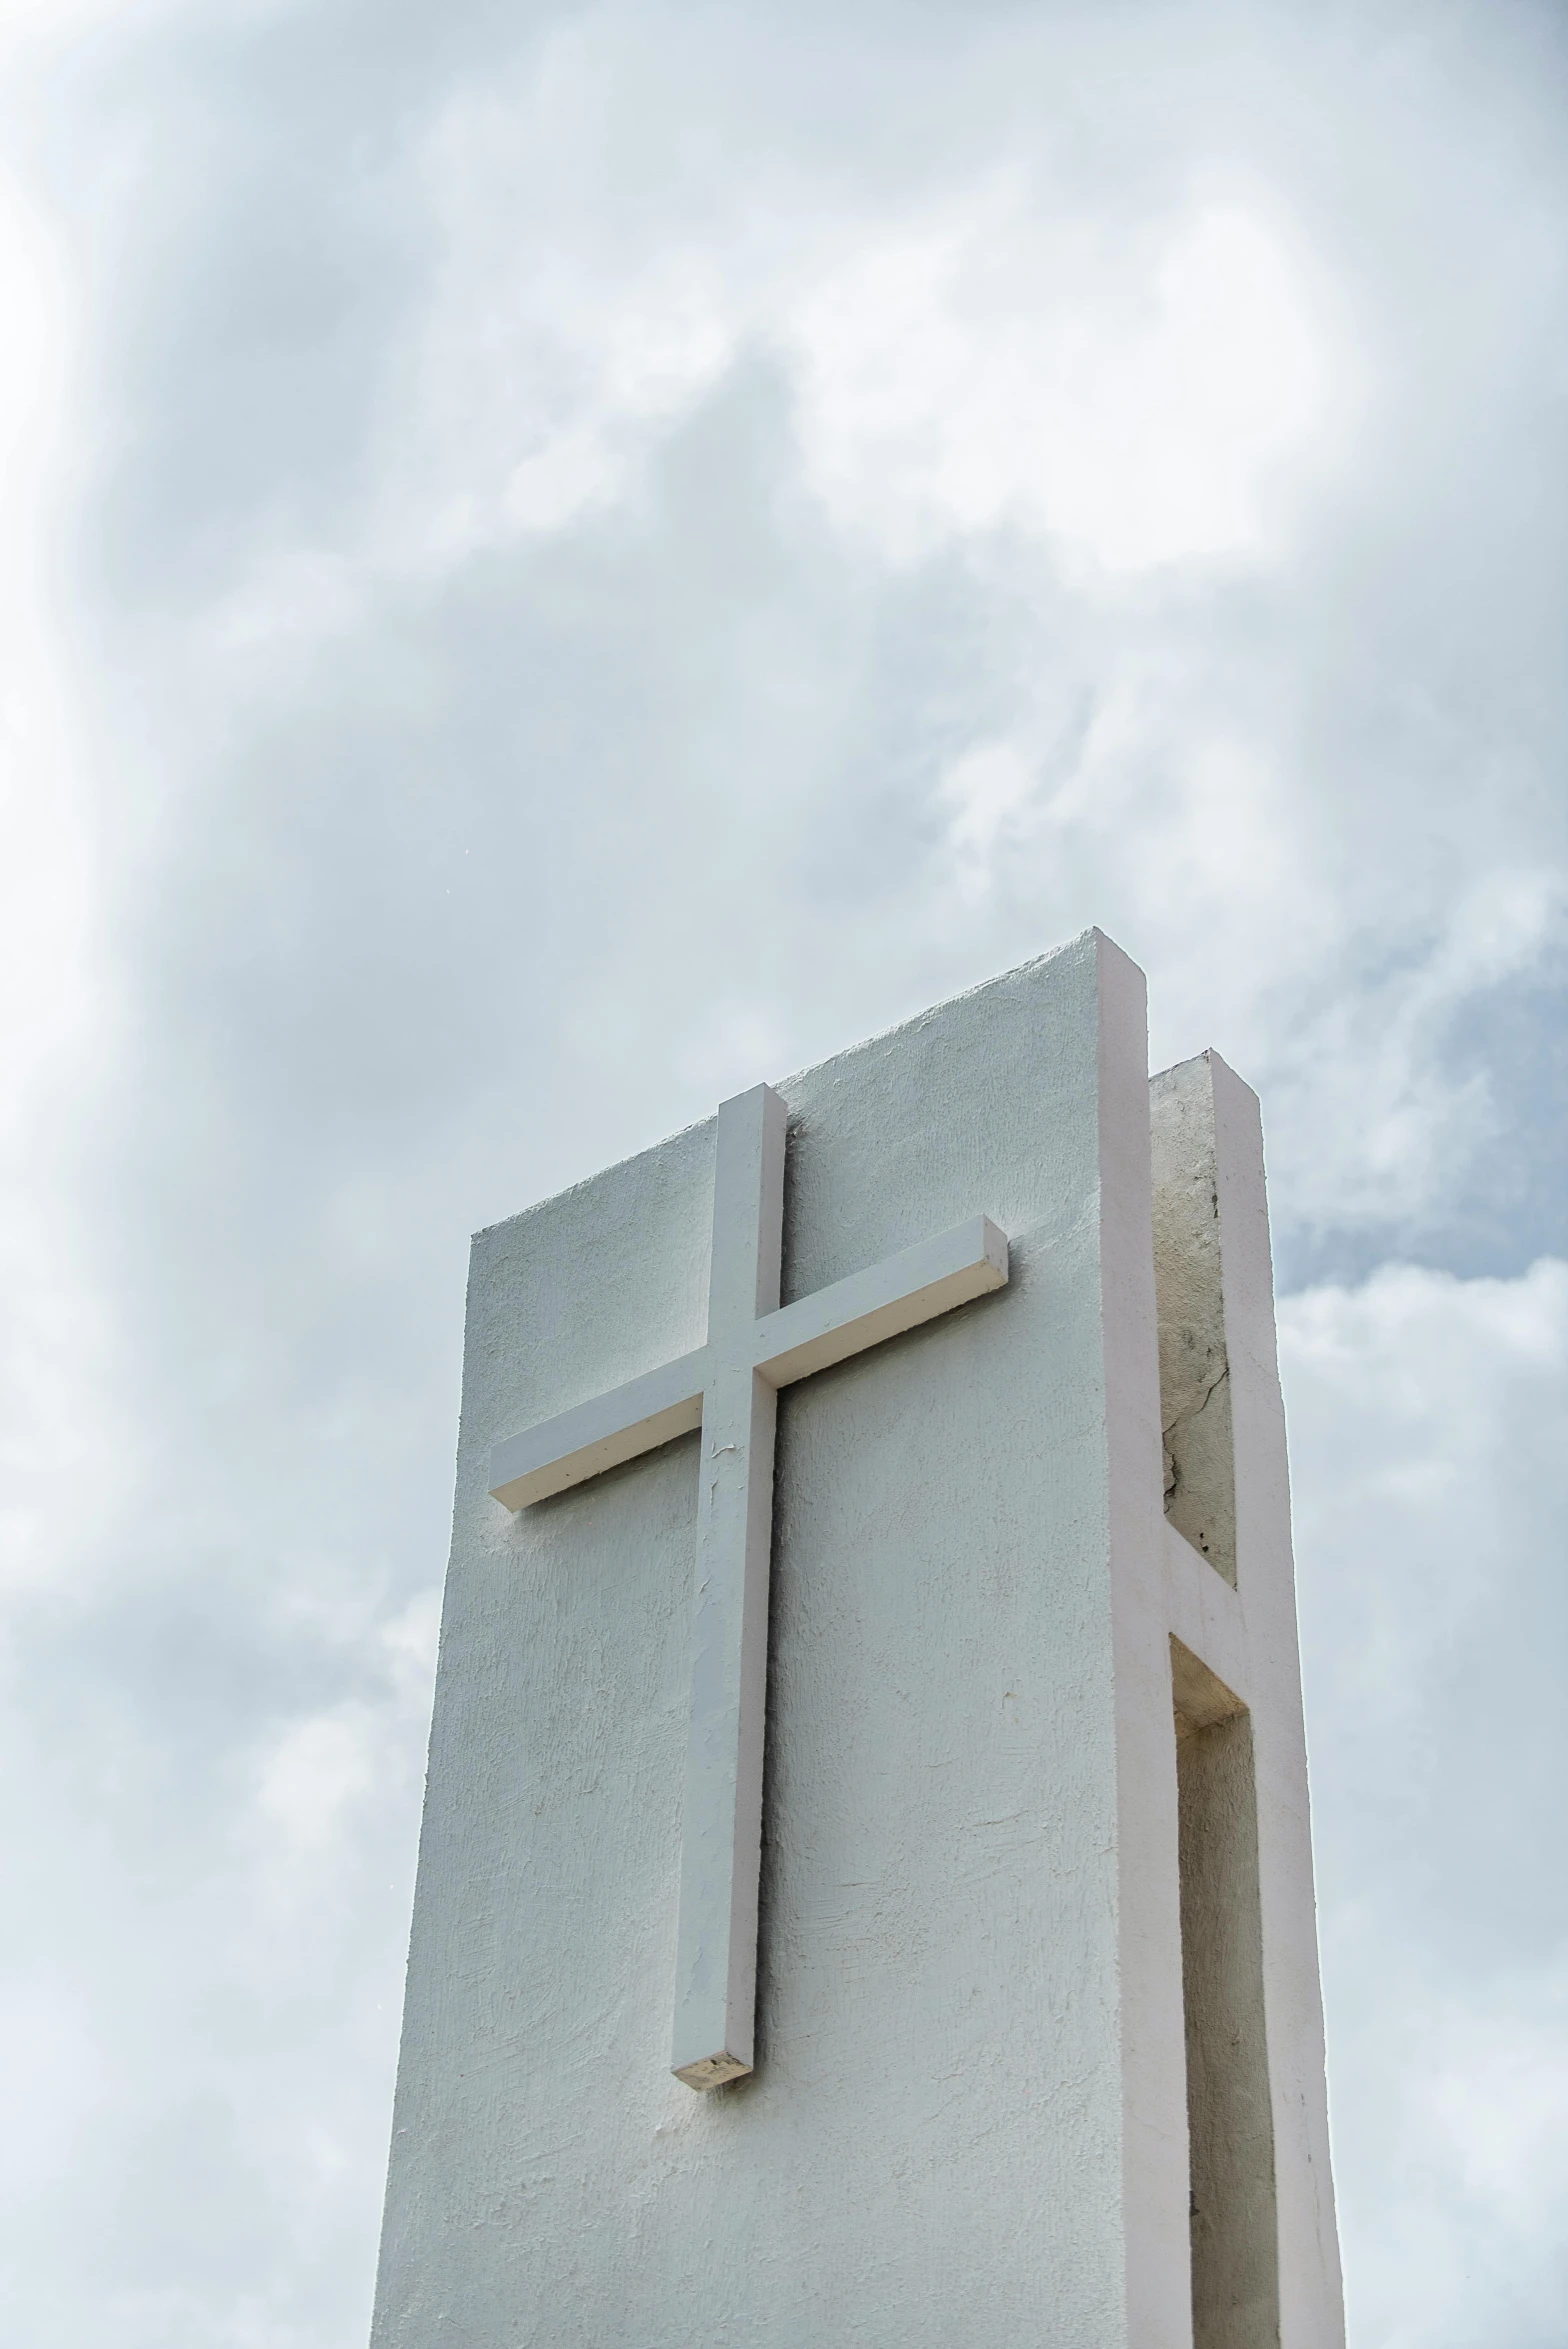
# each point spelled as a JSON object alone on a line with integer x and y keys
{"x": 1230, "y": 2128}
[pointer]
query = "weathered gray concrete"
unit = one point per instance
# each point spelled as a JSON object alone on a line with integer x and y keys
{"x": 1195, "y": 1403}
{"x": 969, "y": 2118}
{"x": 1252, "y": 1974}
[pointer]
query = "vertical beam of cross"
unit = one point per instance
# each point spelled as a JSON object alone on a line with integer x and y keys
{"x": 729, "y": 1388}
{"x": 721, "y": 1854}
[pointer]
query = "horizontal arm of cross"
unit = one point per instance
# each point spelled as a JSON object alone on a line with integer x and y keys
{"x": 882, "y": 1302}
{"x": 585, "y": 1441}
{"x": 812, "y": 1334}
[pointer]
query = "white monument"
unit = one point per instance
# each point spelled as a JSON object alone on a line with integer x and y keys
{"x": 865, "y": 1894}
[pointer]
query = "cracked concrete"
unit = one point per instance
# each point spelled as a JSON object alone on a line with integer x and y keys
{"x": 1195, "y": 1399}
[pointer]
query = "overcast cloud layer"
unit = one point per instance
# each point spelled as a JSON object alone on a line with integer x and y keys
{"x": 557, "y": 561}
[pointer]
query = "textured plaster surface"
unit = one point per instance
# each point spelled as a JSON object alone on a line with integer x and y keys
{"x": 968, "y": 2119}
{"x": 932, "y": 2148}
{"x": 1245, "y": 1824}
{"x": 1200, "y": 1490}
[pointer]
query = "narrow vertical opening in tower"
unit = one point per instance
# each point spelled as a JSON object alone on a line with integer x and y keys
{"x": 1235, "y": 2250}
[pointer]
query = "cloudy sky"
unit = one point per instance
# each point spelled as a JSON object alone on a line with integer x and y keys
{"x": 558, "y": 560}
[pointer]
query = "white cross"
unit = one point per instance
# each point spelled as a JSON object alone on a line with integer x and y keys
{"x": 729, "y": 1388}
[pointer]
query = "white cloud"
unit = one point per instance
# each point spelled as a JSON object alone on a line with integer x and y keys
{"x": 1140, "y": 395}
{"x": 1495, "y": 2096}
{"x": 315, "y": 1775}
{"x": 56, "y": 2080}
{"x": 1426, "y": 1413}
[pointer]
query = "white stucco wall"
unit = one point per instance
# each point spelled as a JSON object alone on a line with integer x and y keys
{"x": 968, "y": 2119}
